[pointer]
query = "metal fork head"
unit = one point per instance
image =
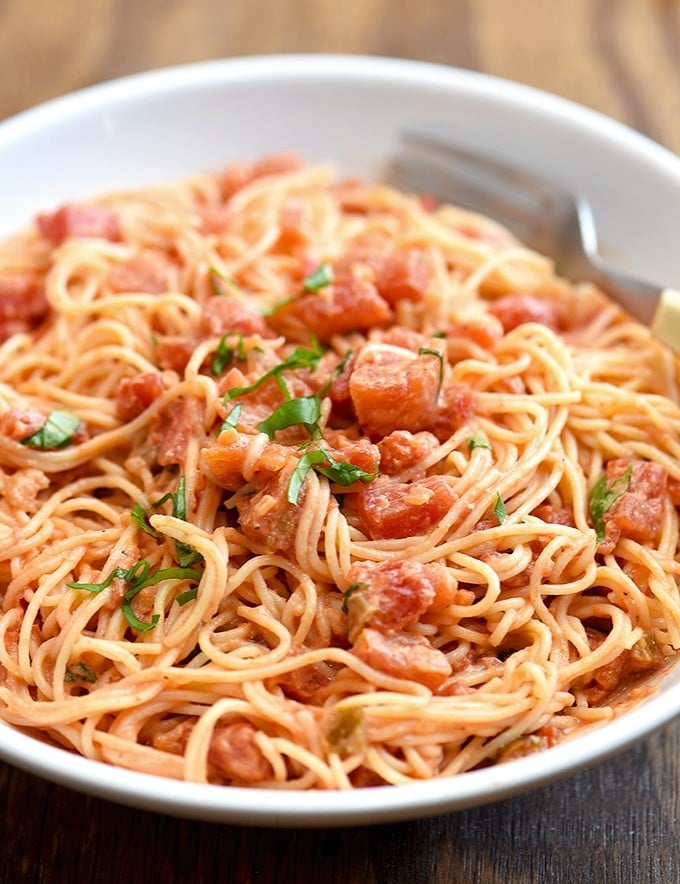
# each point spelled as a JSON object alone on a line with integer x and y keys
{"x": 541, "y": 215}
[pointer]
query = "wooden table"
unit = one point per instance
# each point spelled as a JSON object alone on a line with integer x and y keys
{"x": 615, "y": 823}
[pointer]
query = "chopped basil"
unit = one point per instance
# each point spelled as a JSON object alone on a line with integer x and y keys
{"x": 139, "y": 516}
{"x": 179, "y": 500}
{"x": 301, "y": 357}
{"x": 477, "y": 442}
{"x": 340, "y": 472}
{"x": 337, "y": 371}
{"x": 80, "y": 672}
{"x": 134, "y": 621}
{"x": 305, "y": 410}
{"x": 218, "y": 281}
{"x": 139, "y": 576}
{"x": 231, "y": 420}
{"x": 321, "y": 277}
{"x": 277, "y": 305}
{"x": 349, "y": 592}
{"x": 186, "y": 555}
{"x": 602, "y": 498}
{"x": 225, "y": 352}
{"x": 98, "y": 587}
{"x": 345, "y": 473}
{"x": 499, "y": 509}
{"x": 151, "y": 579}
{"x": 187, "y": 596}
{"x": 430, "y": 351}
{"x": 299, "y": 474}
{"x": 57, "y": 431}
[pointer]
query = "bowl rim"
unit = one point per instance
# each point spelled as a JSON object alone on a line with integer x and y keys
{"x": 181, "y": 77}
{"x": 382, "y": 804}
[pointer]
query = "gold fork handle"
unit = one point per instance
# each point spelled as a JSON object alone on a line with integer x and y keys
{"x": 666, "y": 322}
{"x": 650, "y": 304}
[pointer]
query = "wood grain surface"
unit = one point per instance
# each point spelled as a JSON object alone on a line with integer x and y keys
{"x": 618, "y": 822}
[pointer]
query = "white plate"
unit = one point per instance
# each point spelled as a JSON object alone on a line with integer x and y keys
{"x": 349, "y": 110}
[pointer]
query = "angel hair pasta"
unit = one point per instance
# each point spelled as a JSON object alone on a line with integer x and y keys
{"x": 310, "y": 484}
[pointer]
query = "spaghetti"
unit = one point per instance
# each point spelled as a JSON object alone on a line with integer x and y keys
{"x": 310, "y": 484}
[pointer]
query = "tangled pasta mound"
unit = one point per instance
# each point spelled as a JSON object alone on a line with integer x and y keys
{"x": 310, "y": 484}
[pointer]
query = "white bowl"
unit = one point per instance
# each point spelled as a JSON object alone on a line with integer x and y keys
{"x": 349, "y": 110}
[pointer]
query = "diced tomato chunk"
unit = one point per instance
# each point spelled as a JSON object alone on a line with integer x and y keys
{"x": 22, "y": 296}
{"x": 308, "y": 682}
{"x": 455, "y": 407}
{"x": 360, "y": 452}
{"x": 326, "y": 373}
{"x": 223, "y": 314}
{"x": 485, "y": 334}
{"x": 550, "y": 733}
{"x": 402, "y": 450}
{"x": 555, "y": 515}
{"x": 514, "y": 310}
{"x": 149, "y": 271}
{"x": 175, "y": 351}
{"x": 399, "y": 509}
{"x": 390, "y": 595}
{"x": 406, "y": 338}
{"x": 404, "y": 274}
{"x": 22, "y": 303}
{"x": 173, "y": 739}
{"x": 135, "y": 395}
{"x": 644, "y": 656}
{"x": 267, "y": 517}
{"x": 403, "y": 655}
{"x": 172, "y": 431}
{"x": 351, "y": 303}
{"x": 80, "y": 221}
{"x": 395, "y": 395}
{"x": 674, "y": 490}
{"x": 638, "y": 512}
{"x": 20, "y": 423}
{"x": 225, "y": 462}
{"x": 21, "y": 490}
{"x": 238, "y": 175}
{"x": 235, "y": 754}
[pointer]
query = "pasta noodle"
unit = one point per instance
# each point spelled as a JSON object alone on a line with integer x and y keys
{"x": 311, "y": 484}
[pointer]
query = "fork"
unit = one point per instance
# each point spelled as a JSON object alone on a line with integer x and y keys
{"x": 544, "y": 216}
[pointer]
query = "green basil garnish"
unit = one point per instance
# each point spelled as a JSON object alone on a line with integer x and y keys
{"x": 340, "y": 472}
{"x": 225, "y": 352}
{"x": 139, "y": 576}
{"x": 231, "y": 420}
{"x": 349, "y": 592}
{"x": 321, "y": 277}
{"x": 477, "y": 442}
{"x": 301, "y": 357}
{"x": 305, "y": 410}
{"x": 499, "y": 509}
{"x": 602, "y": 498}
{"x": 430, "y": 351}
{"x": 57, "y": 431}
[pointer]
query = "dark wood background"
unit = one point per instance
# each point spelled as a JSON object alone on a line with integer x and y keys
{"x": 618, "y": 822}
